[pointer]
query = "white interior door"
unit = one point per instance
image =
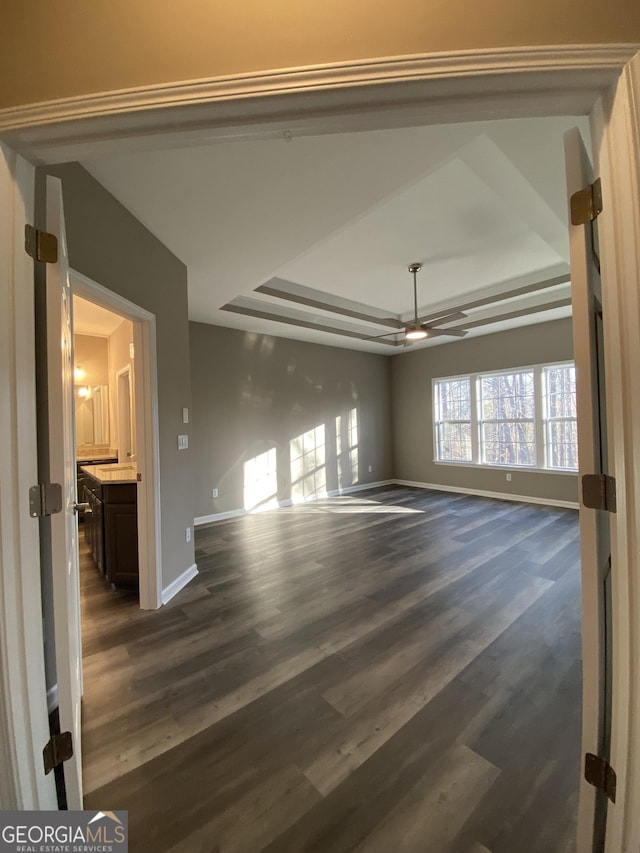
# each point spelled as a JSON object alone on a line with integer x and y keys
{"x": 595, "y": 532}
{"x": 24, "y": 724}
{"x": 62, "y": 469}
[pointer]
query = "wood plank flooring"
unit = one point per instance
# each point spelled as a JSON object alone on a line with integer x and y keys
{"x": 397, "y": 670}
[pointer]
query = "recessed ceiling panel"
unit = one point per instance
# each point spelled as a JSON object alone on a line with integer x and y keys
{"x": 466, "y": 236}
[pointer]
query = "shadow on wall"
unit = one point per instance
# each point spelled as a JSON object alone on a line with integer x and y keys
{"x": 321, "y": 460}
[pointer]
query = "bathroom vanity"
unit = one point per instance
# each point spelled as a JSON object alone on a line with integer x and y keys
{"x": 111, "y": 520}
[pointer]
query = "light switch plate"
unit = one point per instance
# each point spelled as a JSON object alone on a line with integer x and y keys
{"x": 185, "y": 415}
{"x": 183, "y": 442}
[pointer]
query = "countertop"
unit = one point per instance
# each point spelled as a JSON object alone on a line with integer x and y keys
{"x": 114, "y": 473}
{"x": 93, "y": 456}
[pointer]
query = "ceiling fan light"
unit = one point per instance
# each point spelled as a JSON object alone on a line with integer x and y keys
{"x": 416, "y": 334}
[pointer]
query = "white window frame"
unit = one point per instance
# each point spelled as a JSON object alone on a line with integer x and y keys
{"x": 547, "y": 420}
{"x": 435, "y": 397}
{"x": 540, "y": 420}
{"x": 480, "y": 421}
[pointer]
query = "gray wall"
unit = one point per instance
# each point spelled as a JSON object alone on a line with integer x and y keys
{"x": 412, "y": 374}
{"x": 109, "y": 245}
{"x": 253, "y": 392}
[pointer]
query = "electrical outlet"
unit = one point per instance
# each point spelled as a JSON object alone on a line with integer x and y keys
{"x": 508, "y": 478}
{"x": 187, "y": 534}
{"x": 214, "y": 493}
{"x": 370, "y": 468}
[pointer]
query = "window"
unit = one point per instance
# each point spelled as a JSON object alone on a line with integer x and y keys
{"x": 507, "y": 419}
{"x": 561, "y": 429}
{"x": 523, "y": 418}
{"x": 452, "y": 400}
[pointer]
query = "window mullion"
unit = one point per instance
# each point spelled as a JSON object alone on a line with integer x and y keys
{"x": 540, "y": 425}
{"x": 475, "y": 420}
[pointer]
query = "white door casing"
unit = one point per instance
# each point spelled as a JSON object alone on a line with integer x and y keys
{"x": 145, "y": 398}
{"x": 62, "y": 469}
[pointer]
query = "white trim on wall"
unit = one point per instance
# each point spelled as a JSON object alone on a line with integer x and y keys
{"x": 333, "y": 97}
{"x": 179, "y": 583}
{"x": 236, "y": 513}
{"x": 321, "y": 77}
{"x": 147, "y": 431}
{"x": 502, "y": 496}
{"x": 219, "y": 516}
{"x": 438, "y": 487}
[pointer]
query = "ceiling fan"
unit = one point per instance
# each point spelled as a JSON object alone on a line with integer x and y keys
{"x": 415, "y": 330}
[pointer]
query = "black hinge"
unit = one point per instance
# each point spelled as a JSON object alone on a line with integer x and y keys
{"x": 59, "y": 749}
{"x": 40, "y": 245}
{"x": 599, "y": 492}
{"x": 600, "y": 774}
{"x": 45, "y": 499}
{"x": 586, "y": 204}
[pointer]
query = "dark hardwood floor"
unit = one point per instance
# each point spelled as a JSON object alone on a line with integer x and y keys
{"x": 394, "y": 671}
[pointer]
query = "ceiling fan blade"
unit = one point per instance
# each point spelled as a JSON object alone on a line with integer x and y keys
{"x": 448, "y": 318}
{"x": 387, "y": 335}
{"x": 455, "y": 333}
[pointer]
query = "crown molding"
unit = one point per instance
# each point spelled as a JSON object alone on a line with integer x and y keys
{"x": 386, "y": 92}
{"x": 313, "y": 78}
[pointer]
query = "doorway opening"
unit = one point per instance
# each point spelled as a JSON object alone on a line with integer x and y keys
{"x": 106, "y": 469}
{"x": 117, "y": 427}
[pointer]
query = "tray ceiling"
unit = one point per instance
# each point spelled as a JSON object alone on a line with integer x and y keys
{"x": 280, "y": 237}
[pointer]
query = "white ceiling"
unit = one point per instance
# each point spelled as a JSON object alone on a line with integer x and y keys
{"x": 91, "y": 319}
{"x": 481, "y": 205}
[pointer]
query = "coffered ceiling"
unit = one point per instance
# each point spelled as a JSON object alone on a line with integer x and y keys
{"x": 310, "y": 238}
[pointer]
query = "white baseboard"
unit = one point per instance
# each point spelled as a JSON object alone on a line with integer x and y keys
{"x": 179, "y": 583}
{"x": 503, "y": 496}
{"x": 236, "y": 513}
{"x": 52, "y": 698}
{"x": 218, "y": 516}
{"x": 362, "y": 487}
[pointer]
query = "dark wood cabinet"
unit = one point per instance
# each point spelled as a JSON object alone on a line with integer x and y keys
{"x": 82, "y": 478}
{"x": 120, "y": 526}
{"x": 111, "y": 529}
{"x": 93, "y": 531}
